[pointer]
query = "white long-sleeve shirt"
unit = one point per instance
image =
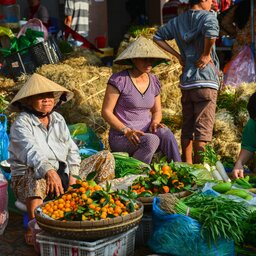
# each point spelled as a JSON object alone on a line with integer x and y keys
{"x": 34, "y": 146}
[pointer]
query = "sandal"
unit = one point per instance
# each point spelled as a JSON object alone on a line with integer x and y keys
{"x": 29, "y": 237}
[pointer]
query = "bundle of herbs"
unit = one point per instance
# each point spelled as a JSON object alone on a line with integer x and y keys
{"x": 221, "y": 218}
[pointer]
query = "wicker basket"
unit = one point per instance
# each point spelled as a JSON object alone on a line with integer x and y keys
{"x": 147, "y": 201}
{"x": 89, "y": 230}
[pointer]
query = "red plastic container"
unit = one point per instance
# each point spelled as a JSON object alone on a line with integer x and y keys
{"x": 100, "y": 42}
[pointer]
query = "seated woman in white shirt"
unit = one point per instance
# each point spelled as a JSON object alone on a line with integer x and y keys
{"x": 43, "y": 157}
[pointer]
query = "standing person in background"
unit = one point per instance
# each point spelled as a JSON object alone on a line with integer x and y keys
{"x": 132, "y": 105}
{"x": 195, "y": 33}
{"x": 37, "y": 10}
{"x": 77, "y": 16}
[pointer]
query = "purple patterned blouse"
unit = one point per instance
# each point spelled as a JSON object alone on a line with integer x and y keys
{"x": 133, "y": 107}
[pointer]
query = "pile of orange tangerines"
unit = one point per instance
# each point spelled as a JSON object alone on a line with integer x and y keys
{"x": 88, "y": 201}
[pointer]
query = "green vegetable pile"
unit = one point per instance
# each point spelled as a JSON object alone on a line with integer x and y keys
{"x": 125, "y": 165}
{"x": 220, "y": 217}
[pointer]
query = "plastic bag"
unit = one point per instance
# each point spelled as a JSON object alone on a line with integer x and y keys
{"x": 4, "y": 215}
{"x": 181, "y": 235}
{"x": 6, "y": 32}
{"x": 84, "y": 136}
{"x": 35, "y": 25}
{"x": 4, "y": 139}
{"x": 241, "y": 69}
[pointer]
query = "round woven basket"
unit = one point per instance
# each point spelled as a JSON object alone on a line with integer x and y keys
{"x": 89, "y": 230}
{"x": 147, "y": 201}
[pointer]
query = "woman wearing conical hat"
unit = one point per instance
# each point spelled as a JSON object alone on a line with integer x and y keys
{"x": 132, "y": 105}
{"x": 43, "y": 156}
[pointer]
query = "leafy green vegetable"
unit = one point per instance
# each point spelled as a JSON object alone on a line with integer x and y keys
{"x": 209, "y": 156}
{"x": 125, "y": 165}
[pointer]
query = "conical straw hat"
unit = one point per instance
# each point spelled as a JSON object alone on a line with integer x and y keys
{"x": 141, "y": 48}
{"x": 38, "y": 84}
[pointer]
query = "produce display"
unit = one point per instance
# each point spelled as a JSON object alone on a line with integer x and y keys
{"x": 164, "y": 178}
{"x": 88, "y": 201}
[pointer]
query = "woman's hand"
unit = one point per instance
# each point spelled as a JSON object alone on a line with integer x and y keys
{"x": 243, "y": 158}
{"x": 238, "y": 173}
{"x": 154, "y": 126}
{"x": 133, "y": 136}
{"x": 53, "y": 183}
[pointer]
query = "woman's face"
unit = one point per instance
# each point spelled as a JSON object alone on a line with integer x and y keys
{"x": 43, "y": 102}
{"x": 144, "y": 65}
{"x": 206, "y": 5}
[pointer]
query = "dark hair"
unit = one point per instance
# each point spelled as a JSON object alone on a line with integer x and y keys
{"x": 192, "y": 2}
{"x": 251, "y": 106}
{"x": 242, "y": 13}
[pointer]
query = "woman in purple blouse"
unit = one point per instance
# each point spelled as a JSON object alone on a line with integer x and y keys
{"x": 132, "y": 105}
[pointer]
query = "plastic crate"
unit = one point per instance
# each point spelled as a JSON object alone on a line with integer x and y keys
{"x": 144, "y": 230}
{"x": 27, "y": 60}
{"x": 118, "y": 245}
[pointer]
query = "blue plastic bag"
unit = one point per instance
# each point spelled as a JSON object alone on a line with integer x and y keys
{"x": 86, "y": 152}
{"x": 4, "y": 139}
{"x": 180, "y": 235}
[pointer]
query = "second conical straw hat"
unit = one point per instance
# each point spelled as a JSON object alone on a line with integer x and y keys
{"x": 141, "y": 48}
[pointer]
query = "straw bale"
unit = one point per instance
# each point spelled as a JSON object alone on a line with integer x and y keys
{"x": 224, "y": 127}
{"x": 226, "y": 136}
{"x": 65, "y": 75}
{"x": 226, "y": 149}
{"x": 81, "y": 57}
{"x": 241, "y": 120}
{"x": 170, "y": 91}
{"x": 172, "y": 118}
{"x": 5, "y": 83}
{"x": 244, "y": 91}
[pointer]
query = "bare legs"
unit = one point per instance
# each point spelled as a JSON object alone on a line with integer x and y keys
{"x": 32, "y": 203}
{"x": 191, "y": 150}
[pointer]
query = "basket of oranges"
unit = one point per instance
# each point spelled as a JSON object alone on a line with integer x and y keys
{"x": 164, "y": 178}
{"x": 88, "y": 212}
